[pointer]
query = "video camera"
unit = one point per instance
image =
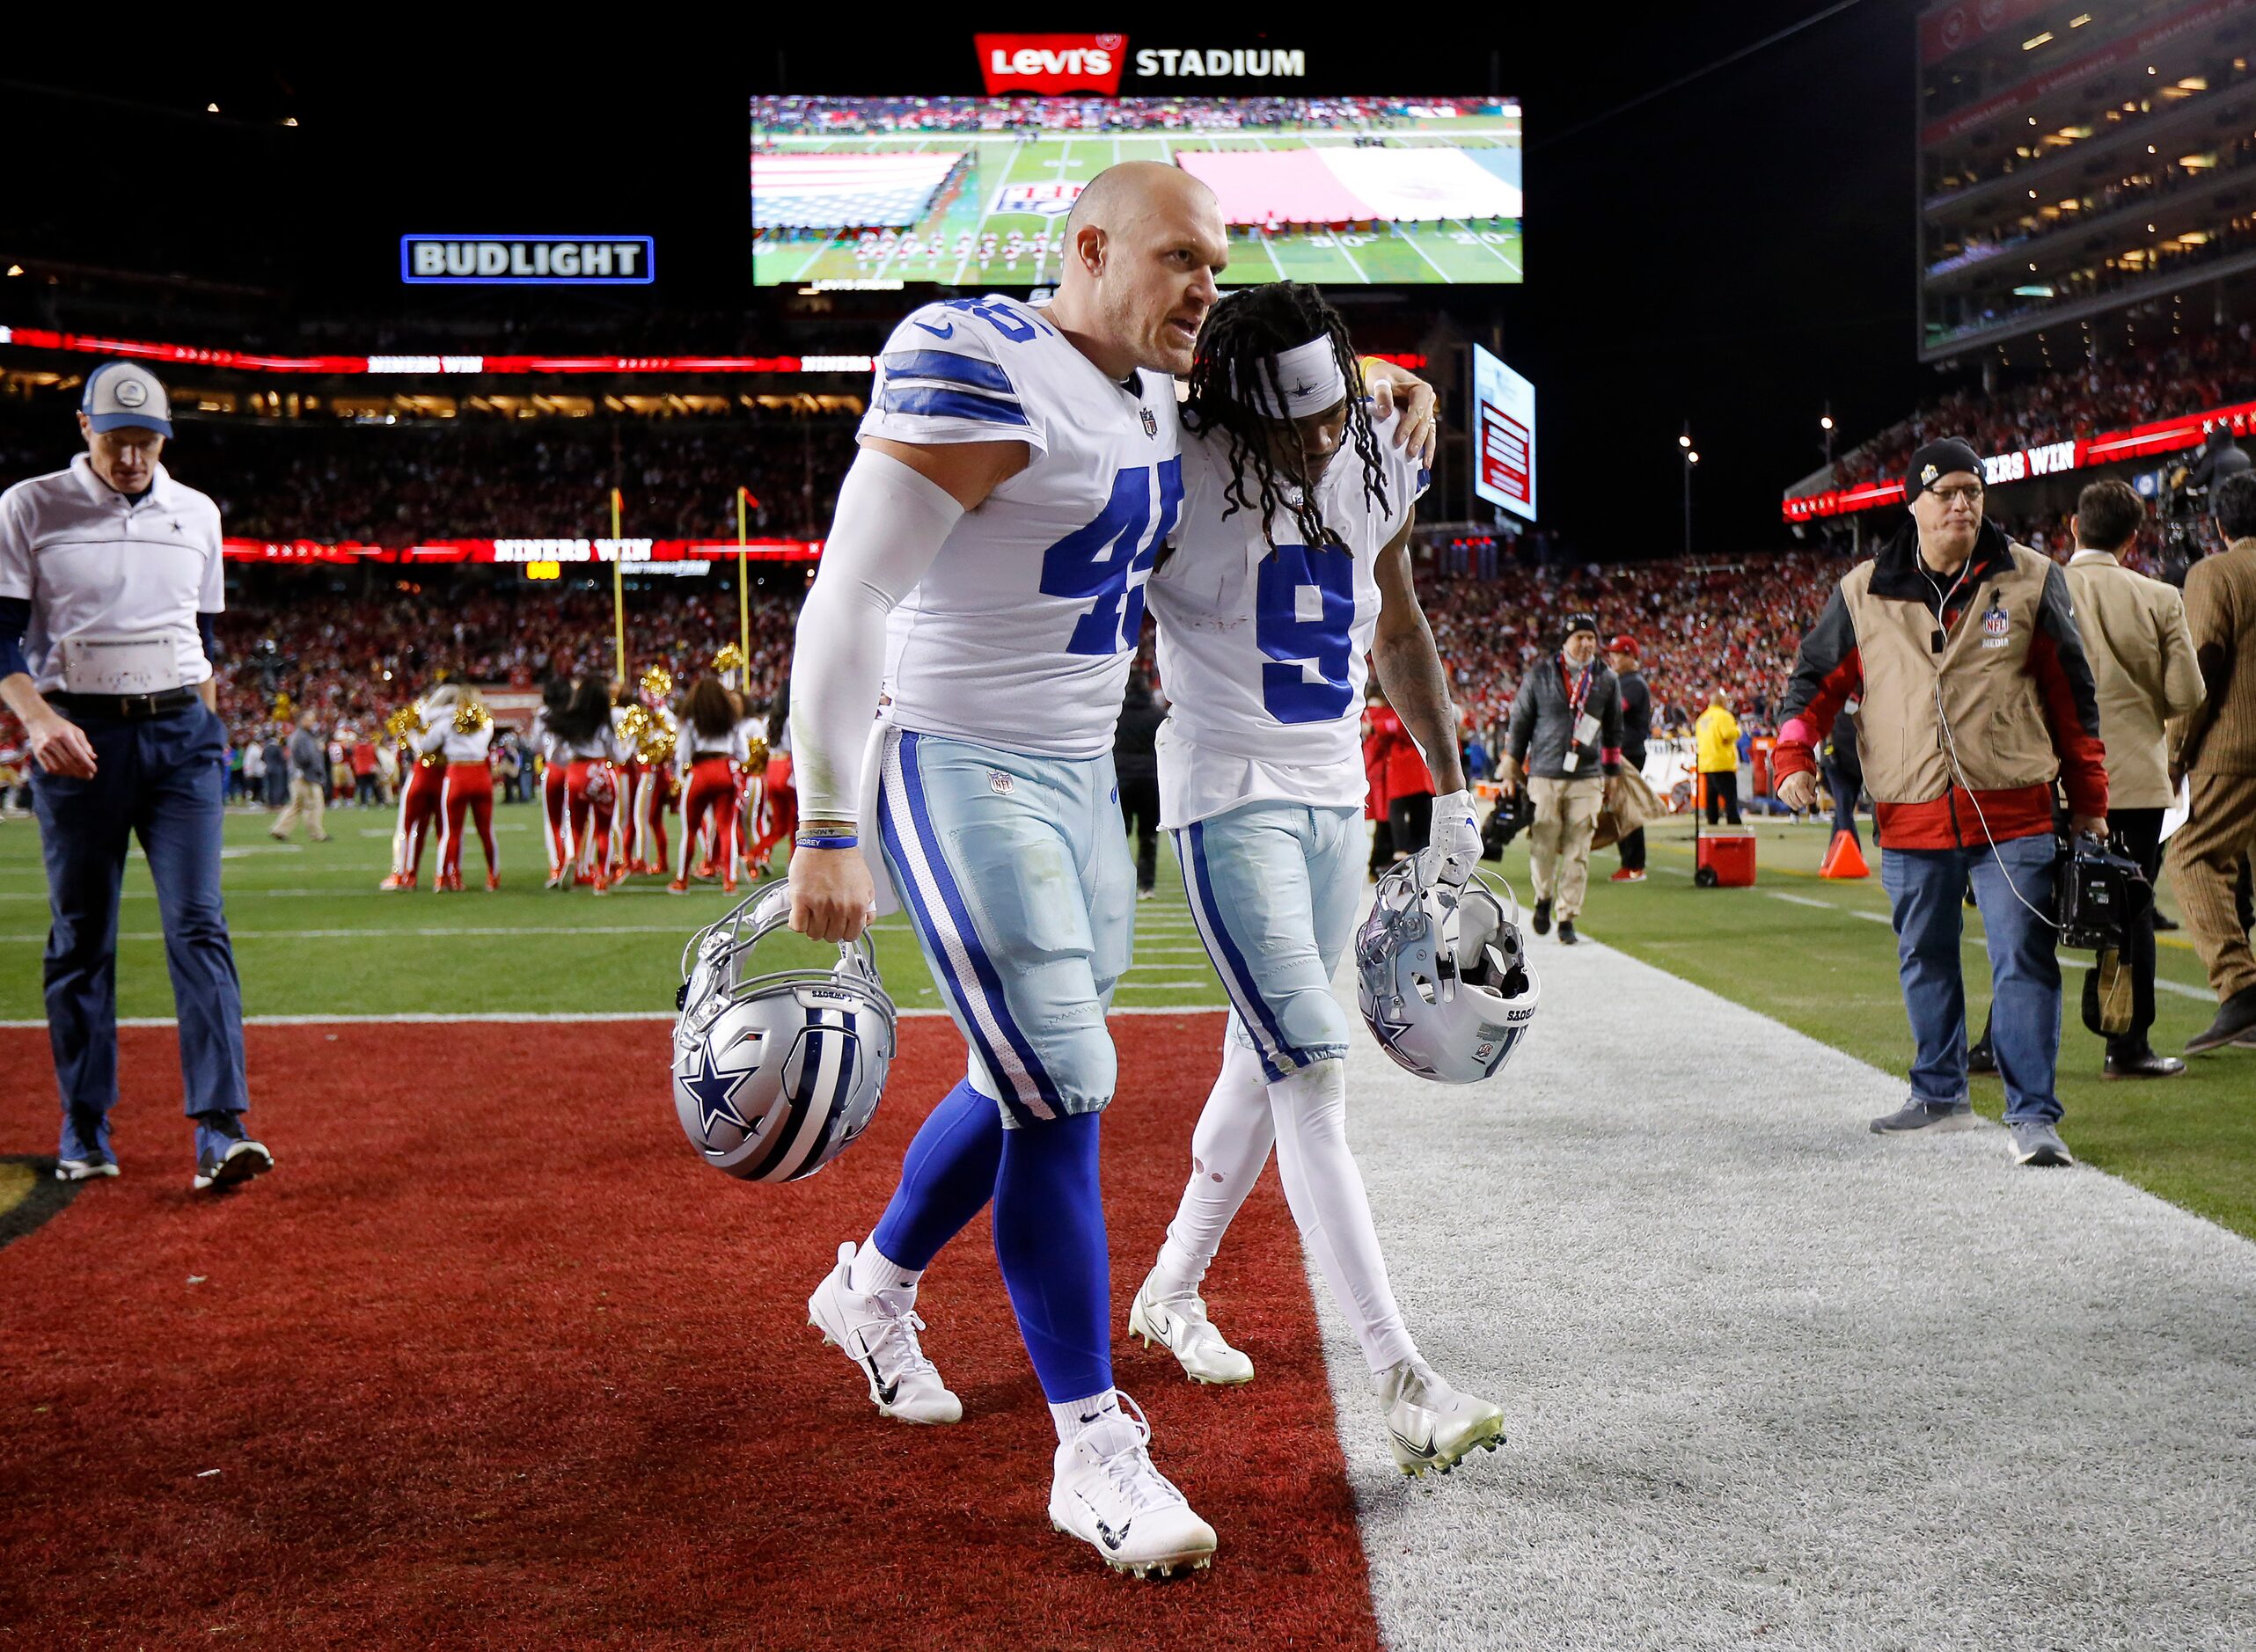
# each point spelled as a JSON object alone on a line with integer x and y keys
{"x": 1506, "y": 821}
{"x": 2097, "y": 895}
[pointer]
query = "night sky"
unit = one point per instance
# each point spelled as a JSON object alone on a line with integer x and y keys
{"x": 1734, "y": 251}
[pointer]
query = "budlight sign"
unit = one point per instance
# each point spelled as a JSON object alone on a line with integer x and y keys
{"x": 527, "y": 261}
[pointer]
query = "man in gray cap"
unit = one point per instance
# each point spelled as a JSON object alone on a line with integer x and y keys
{"x": 1566, "y": 735}
{"x": 110, "y": 579}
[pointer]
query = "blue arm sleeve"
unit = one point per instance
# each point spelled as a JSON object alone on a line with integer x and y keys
{"x": 207, "y": 628}
{"x": 15, "y": 619}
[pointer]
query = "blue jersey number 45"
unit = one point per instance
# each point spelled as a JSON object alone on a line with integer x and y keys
{"x": 1099, "y": 560}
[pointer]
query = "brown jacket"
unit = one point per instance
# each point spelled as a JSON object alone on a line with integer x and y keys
{"x": 2141, "y": 655}
{"x": 2221, "y": 613}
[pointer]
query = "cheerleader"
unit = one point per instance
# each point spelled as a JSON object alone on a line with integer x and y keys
{"x": 709, "y": 760}
{"x": 420, "y": 780}
{"x": 583, "y": 733}
{"x": 555, "y": 694}
{"x": 654, "y": 787}
{"x": 782, "y": 812}
{"x": 466, "y": 741}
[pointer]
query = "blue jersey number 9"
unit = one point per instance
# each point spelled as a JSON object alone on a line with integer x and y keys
{"x": 1098, "y": 561}
{"x": 1304, "y": 609}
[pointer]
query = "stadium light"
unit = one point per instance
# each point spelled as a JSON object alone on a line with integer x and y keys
{"x": 1691, "y": 459}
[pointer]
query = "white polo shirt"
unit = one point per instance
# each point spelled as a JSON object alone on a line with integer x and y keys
{"x": 94, "y": 562}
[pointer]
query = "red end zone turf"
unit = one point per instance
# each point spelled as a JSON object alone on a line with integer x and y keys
{"x": 491, "y": 1361}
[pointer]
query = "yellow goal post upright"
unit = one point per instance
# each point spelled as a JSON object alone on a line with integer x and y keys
{"x": 618, "y": 596}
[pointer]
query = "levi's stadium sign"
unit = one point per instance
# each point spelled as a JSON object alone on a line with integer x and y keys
{"x": 527, "y": 261}
{"x": 1030, "y": 64}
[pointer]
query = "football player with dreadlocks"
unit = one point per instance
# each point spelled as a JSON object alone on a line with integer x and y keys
{"x": 1290, "y": 565}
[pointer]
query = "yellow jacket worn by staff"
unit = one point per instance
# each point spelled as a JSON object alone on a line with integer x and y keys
{"x": 1718, "y": 734}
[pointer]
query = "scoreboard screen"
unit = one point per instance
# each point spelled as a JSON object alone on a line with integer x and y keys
{"x": 973, "y": 192}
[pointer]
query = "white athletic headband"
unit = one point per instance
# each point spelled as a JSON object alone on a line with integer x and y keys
{"x": 1309, "y": 375}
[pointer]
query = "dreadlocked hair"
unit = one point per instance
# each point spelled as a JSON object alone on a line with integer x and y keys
{"x": 1242, "y": 332}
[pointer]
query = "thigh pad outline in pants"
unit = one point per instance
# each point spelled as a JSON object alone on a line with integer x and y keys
{"x": 1273, "y": 890}
{"x": 1007, "y": 882}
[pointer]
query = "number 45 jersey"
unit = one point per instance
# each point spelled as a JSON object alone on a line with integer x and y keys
{"x": 1021, "y": 633}
{"x": 1262, "y": 652}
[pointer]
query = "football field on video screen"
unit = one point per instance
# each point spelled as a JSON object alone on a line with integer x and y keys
{"x": 1452, "y": 250}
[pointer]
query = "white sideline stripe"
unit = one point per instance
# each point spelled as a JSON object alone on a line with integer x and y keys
{"x": 502, "y": 1017}
{"x": 376, "y": 934}
{"x": 1824, "y": 1378}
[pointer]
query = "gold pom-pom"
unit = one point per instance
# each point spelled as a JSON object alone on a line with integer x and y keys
{"x": 731, "y": 658}
{"x": 757, "y": 759}
{"x": 402, "y": 723}
{"x": 658, "y": 681}
{"x": 633, "y": 726}
{"x": 470, "y": 717}
{"x": 656, "y": 747}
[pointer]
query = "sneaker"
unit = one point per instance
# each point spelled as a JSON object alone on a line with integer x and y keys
{"x": 1104, "y": 1491}
{"x": 1542, "y": 917}
{"x": 1429, "y": 1423}
{"x": 877, "y": 1329}
{"x": 1916, "y": 1114}
{"x": 1142, "y": 894}
{"x": 1625, "y": 875}
{"x": 2036, "y": 1142}
{"x": 1179, "y": 1324}
{"x": 84, "y": 1169}
{"x": 555, "y": 878}
{"x": 493, "y": 882}
{"x": 1567, "y": 937}
{"x": 396, "y": 881}
{"x": 2236, "y": 1019}
{"x": 678, "y": 886}
{"x": 229, "y": 1163}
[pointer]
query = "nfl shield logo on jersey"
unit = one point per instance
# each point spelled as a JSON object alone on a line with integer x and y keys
{"x": 1151, "y": 422}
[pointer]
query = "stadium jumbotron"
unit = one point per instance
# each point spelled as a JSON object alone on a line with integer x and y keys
{"x": 1365, "y": 190}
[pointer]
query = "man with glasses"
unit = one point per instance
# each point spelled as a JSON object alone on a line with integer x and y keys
{"x": 1976, "y": 699}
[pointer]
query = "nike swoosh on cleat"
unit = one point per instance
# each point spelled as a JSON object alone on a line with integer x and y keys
{"x": 1424, "y": 1452}
{"x": 884, "y": 1390}
{"x": 1114, "y": 1539}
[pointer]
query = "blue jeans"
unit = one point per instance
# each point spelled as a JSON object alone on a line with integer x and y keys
{"x": 161, "y": 780}
{"x": 1926, "y": 888}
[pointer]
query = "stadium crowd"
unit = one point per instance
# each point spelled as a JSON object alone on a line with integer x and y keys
{"x": 867, "y": 116}
{"x": 2210, "y": 369}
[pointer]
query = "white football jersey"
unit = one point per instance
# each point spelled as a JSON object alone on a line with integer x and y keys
{"x": 1264, "y": 653}
{"x": 1022, "y": 634}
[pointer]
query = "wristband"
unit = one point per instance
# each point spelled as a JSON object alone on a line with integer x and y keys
{"x": 836, "y": 840}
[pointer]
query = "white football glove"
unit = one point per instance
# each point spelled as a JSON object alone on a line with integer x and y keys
{"x": 1456, "y": 840}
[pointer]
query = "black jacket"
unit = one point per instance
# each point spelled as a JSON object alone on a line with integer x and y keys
{"x": 1636, "y": 717}
{"x": 1134, "y": 757}
{"x": 1541, "y": 724}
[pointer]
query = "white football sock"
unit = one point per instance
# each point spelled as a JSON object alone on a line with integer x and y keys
{"x": 1325, "y": 1190}
{"x": 1227, "y": 1150}
{"x": 869, "y": 1272}
{"x": 1077, "y": 1416}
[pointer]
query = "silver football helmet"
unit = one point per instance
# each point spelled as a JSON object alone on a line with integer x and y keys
{"x": 776, "y": 1071}
{"x": 1442, "y": 976}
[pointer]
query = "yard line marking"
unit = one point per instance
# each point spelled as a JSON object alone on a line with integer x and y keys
{"x": 1396, "y": 230}
{"x": 374, "y": 934}
{"x": 1802, "y": 900}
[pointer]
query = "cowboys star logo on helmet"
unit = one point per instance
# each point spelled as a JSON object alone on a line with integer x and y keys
{"x": 1442, "y": 976}
{"x": 777, "y": 1070}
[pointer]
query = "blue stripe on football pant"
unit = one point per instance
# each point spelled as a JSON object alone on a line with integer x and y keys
{"x": 951, "y": 403}
{"x": 969, "y": 371}
{"x": 1230, "y": 962}
{"x": 920, "y": 915}
{"x": 983, "y": 967}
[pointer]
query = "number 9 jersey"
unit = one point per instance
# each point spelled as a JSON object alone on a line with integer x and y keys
{"x": 1264, "y": 653}
{"x": 1021, "y": 632}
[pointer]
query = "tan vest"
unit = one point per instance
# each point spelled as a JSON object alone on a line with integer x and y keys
{"x": 1995, "y": 714}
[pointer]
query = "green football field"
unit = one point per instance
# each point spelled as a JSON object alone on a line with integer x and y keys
{"x": 1449, "y": 252}
{"x": 314, "y": 938}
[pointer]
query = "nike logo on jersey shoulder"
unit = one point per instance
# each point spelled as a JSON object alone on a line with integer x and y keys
{"x": 946, "y": 330}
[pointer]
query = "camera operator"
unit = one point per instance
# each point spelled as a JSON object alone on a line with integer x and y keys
{"x": 110, "y": 578}
{"x": 1566, "y": 722}
{"x": 2141, "y": 655}
{"x": 2218, "y": 755}
{"x": 1976, "y": 696}
{"x": 1636, "y": 730}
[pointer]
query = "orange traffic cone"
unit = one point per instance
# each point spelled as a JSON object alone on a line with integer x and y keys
{"x": 1843, "y": 858}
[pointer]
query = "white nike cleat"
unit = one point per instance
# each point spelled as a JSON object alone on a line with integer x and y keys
{"x": 1180, "y": 1324}
{"x": 878, "y": 1331}
{"x": 1105, "y": 1492}
{"x": 1429, "y": 1423}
